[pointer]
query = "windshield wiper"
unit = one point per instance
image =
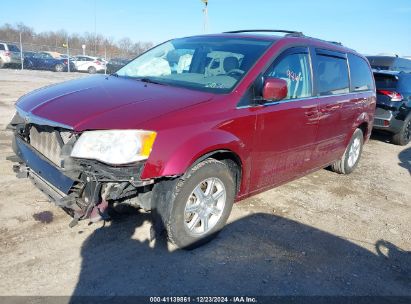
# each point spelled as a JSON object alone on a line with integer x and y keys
{"x": 149, "y": 80}
{"x": 114, "y": 74}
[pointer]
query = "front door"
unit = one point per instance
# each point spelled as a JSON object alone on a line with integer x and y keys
{"x": 286, "y": 130}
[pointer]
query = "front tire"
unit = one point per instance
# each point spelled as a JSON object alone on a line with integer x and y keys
{"x": 404, "y": 136}
{"x": 349, "y": 161}
{"x": 201, "y": 202}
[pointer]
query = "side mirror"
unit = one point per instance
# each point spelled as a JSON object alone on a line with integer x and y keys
{"x": 274, "y": 89}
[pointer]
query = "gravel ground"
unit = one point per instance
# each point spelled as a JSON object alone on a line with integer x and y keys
{"x": 323, "y": 234}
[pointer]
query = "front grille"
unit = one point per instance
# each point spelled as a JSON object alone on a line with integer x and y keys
{"x": 49, "y": 142}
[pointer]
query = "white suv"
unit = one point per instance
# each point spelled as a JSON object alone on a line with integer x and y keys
{"x": 88, "y": 64}
{"x": 9, "y": 54}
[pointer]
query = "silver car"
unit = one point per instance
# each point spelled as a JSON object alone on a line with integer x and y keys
{"x": 9, "y": 54}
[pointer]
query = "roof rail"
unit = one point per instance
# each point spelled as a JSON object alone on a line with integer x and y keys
{"x": 289, "y": 33}
{"x": 335, "y": 42}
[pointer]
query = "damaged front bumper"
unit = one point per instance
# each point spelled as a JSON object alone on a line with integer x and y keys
{"x": 83, "y": 188}
{"x": 45, "y": 175}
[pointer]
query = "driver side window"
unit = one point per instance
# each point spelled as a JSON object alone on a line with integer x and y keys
{"x": 295, "y": 70}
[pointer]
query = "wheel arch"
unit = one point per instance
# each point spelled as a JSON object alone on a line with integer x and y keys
{"x": 364, "y": 128}
{"x": 230, "y": 158}
{"x": 364, "y": 123}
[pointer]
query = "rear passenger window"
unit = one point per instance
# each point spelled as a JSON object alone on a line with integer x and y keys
{"x": 361, "y": 77}
{"x": 332, "y": 75}
{"x": 295, "y": 70}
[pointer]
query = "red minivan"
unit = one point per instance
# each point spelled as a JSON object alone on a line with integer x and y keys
{"x": 195, "y": 124}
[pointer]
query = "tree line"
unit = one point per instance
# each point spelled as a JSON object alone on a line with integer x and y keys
{"x": 96, "y": 44}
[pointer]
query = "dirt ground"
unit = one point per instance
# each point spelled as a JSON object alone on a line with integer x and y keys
{"x": 324, "y": 234}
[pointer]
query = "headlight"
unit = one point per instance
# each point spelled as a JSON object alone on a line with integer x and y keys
{"x": 115, "y": 147}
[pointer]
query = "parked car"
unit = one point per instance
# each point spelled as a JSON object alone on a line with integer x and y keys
{"x": 28, "y": 54}
{"x": 185, "y": 144}
{"x": 9, "y": 55}
{"x": 44, "y": 61}
{"x": 88, "y": 64}
{"x": 390, "y": 63}
{"x": 393, "y": 113}
{"x": 115, "y": 64}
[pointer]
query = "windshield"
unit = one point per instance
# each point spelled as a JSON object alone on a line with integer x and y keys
{"x": 213, "y": 64}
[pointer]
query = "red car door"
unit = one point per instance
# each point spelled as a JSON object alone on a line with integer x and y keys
{"x": 287, "y": 129}
{"x": 335, "y": 105}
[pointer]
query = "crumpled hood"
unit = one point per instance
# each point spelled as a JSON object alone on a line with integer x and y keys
{"x": 111, "y": 102}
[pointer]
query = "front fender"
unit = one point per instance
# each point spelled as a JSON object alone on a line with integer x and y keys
{"x": 171, "y": 157}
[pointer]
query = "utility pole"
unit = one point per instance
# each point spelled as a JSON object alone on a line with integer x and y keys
{"x": 68, "y": 55}
{"x": 95, "y": 29}
{"x": 21, "y": 54}
{"x": 205, "y": 11}
{"x": 105, "y": 57}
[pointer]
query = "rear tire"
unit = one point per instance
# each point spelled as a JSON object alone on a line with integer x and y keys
{"x": 349, "y": 161}
{"x": 91, "y": 70}
{"x": 404, "y": 136}
{"x": 195, "y": 208}
{"x": 59, "y": 68}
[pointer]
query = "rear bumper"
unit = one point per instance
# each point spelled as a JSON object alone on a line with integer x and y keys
{"x": 385, "y": 120}
{"x": 44, "y": 174}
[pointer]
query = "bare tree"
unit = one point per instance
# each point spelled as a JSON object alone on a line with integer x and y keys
{"x": 56, "y": 41}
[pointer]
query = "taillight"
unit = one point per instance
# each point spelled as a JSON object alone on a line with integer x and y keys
{"x": 97, "y": 62}
{"x": 65, "y": 62}
{"x": 7, "y": 53}
{"x": 395, "y": 96}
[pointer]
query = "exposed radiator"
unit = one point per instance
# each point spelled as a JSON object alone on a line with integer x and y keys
{"x": 48, "y": 142}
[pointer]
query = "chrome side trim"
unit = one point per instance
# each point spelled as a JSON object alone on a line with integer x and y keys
{"x": 304, "y": 98}
{"x": 34, "y": 119}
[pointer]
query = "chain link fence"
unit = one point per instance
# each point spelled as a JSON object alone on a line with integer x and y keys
{"x": 106, "y": 52}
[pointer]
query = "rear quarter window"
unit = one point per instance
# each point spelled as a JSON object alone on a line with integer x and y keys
{"x": 332, "y": 75}
{"x": 361, "y": 75}
{"x": 2, "y": 47}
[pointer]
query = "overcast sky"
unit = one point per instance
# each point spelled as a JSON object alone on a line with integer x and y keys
{"x": 369, "y": 26}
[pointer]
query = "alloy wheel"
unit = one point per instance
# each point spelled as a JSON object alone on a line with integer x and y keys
{"x": 205, "y": 206}
{"x": 354, "y": 152}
